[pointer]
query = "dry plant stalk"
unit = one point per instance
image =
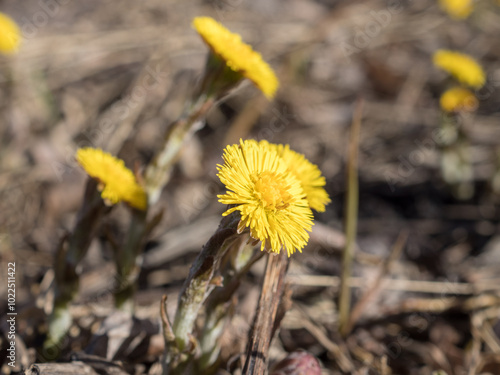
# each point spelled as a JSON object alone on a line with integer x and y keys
{"x": 262, "y": 328}
{"x": 351, "y": 219}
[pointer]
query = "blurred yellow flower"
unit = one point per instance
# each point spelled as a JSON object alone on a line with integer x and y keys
{"x": 309, "y": 176}
{"x": 458, "y": 9}
{"x": 116, "y": 182}
{"x": 461, "y": 66}
{"x": 270, "y": 199}
{"x": 10, "y": 35}
{"x": 240, "y": 57}
{"x": 458, "y": 99}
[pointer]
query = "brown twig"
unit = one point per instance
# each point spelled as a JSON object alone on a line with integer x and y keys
{"x": 262, "y": 328}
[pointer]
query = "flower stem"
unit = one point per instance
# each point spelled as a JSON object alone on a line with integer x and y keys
{"x": 456, "y": 166}
{"x": 128, "y": 261}
{"x": 70, "y": 253}
{"x": 218, "y": 307}
{"x": 195, "y": 291}
{"x": 196, "y": 288}
{"x": 158, "y": 172}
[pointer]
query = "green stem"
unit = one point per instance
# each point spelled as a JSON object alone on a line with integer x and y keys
{"x": 158, "y": 172}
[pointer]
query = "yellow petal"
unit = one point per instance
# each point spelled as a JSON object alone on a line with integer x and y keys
{"x": 10, "y": 35}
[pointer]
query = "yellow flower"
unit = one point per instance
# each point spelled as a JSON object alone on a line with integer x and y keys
{"x": 117, "y": 182}
{"x": 10, "y": 36}
{"x": 458, "y": 9}
{"x": 270, "y": 199}
{"x": 309, "y": 176}
{"x": 463, "y": 67}
{"x": 240, "y": 57}
{"x": 458, "y": 99}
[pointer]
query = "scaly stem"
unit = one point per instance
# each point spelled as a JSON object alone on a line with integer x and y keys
{"x": 218, "y": 307}
{"x": 195, "y": 291}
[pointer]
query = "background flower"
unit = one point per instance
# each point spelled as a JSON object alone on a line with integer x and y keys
{"x": 239, "y": 56}
{"x": 458, "y": 9}
{"x": 461, "y": 66}
{"x": 458, "y": 99}
{"x": 117, "y": 182}
{"x": 10, "y": 35}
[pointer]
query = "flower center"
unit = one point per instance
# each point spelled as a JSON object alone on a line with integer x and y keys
{"x": 272, "y": 191}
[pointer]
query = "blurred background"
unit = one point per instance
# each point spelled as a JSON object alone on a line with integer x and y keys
{"x": 115, "y": 75}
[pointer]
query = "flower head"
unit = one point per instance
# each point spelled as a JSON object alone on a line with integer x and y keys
{"x": 10, "y": 36}
{"x": 458, "y": 9}
{"x": 117, "y": 182}
{"x": 270, "y": 199}
{"x": 458, "y": 99}
{"x": 309, "y": 176}
{"x": 239, "y": 57}
{"x": 463, "y": 67}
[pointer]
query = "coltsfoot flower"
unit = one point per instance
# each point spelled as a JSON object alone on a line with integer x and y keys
{"x": 458, "y": 99}
{"x": 10, "y": 35}
{"x": 461, "y": 66}
{"x": 116, "y": 182}
{"x": 271, "y": 200}
{"x": 458, "y": 9}
{"x": 309, "y": 176}
{"x": 239, "y": 57}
